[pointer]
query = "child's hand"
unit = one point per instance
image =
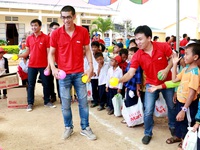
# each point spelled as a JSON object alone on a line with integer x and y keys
{"x": 195, "y": 127}
{"x": 175, "y": 58}
{"x": 152, "y": 88}
{"x": 180, "y": 116}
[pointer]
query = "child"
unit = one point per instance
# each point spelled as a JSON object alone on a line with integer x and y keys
{"x": 94, "y": 80}
{"x": 117, "y": 48}
{"x": 132, "y": 86}
{"x": 3, "y": 68}
{"x": 187, "y": 100}
{"x": 124, "y": 55}
{"x": 23, "y": 70}
{"x": 102, "y": 74}
{"x": 113, "y": 71}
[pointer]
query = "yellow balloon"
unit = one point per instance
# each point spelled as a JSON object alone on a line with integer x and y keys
{"x": 14, "y": 57}
{"x": 84, "y": 78}
{"x": 114, "y": 81}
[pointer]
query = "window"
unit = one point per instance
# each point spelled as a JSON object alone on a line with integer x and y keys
{"x": 10, "y": 18}
{"x": 52, "y": 19}
{"x": 7, "y": 18}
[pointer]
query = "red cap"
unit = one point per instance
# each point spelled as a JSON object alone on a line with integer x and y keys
{"x": 2, "y": 50}
{"x": 118, "y": 59}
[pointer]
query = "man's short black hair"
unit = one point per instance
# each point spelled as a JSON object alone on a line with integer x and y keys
{"x": 53, "y": 24}
{"x": 145, "y": 30}
{"x": 36, "y": 21}
{"x": 68, "y": 8}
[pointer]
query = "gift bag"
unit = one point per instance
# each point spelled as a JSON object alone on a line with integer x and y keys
{"x": 160, "y": 107}
{"x": 89, "y": 91}
{"x": 117, "y": 104}
{"x": 133, "y": 115}
{"x": 190, "y": 140}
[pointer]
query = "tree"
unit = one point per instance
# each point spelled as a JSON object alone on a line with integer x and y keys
{"x": 102, "y": 25}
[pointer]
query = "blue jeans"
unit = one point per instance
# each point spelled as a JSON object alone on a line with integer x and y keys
{"x": 32, "y": 75}
{"x": 149, "y": 105}
{"x": 80, "y": 88}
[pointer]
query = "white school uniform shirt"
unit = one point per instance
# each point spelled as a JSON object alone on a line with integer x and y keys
{"x": 2, "y": 63}
{"x": 23, "y": 65}
{"x": 103, "y": 74}
{"x": 114, "y": 73}
{"x": 95, "y": 67}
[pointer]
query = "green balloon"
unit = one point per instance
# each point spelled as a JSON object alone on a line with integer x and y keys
{"x": 159, "y": 76}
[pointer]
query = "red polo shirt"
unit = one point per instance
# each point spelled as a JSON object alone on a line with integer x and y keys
{"x": 38, "y": 50}
{"x": 183, "y": 42}
{"x": 152, "y": 65}
{"x": 70, "y": 49}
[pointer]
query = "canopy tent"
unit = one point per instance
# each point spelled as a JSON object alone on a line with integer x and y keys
{"x": 139, "y": 1}
{"x": 100, "y": 2}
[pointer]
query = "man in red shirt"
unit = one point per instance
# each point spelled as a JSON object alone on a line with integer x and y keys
{"x": 69, "y": 42}
{"x": 37, "y": 47}
{"x": 153, "y": 57}
{"x": 184, "y": 41}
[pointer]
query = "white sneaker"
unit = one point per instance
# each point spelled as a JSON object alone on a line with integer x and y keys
{"x": 50, "y": 105}
{"x": 29, "y": 108}
{"x": 67, "y": 133}
{"x": 88, "y": 133}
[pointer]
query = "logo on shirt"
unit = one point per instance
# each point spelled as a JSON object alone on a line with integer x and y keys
{"x": 78, "y": 41}
{"x": 159, "y": 58}
{"x": 41, "y": 43}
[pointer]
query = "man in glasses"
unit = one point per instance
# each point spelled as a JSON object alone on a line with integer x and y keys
{"x": 66, "y": 46}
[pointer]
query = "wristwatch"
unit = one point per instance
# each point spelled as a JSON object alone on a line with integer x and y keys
{"x": 184, "y": 109}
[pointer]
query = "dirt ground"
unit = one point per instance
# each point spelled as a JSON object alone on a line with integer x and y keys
{"x": 42, "y": 129}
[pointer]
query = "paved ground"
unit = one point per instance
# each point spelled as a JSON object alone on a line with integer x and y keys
{"x": 42, "y": 128}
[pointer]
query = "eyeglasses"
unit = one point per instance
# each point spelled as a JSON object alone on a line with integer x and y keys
{"x": 66, "y": 17}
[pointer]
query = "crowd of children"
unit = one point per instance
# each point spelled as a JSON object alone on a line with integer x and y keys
{"x": 185, "y": 96}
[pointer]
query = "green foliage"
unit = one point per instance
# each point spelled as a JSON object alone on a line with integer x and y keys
{"x": 3, "y": 42}
{"x": 103, "y": 25}
{"x": 11, "y": 49}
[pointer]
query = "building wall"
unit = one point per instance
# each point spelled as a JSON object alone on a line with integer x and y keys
{"x": 188, "y": 26}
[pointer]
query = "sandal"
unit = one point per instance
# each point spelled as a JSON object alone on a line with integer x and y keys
{"x": 173, "y": 139}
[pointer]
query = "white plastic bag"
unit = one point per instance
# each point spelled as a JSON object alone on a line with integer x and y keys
{"x": 160, "y": 107}
{"x": 190, "y": 140}
{"x": 89, "y": 91}
{"x": 117, "y": 104}
{"x": 133, "y": 115}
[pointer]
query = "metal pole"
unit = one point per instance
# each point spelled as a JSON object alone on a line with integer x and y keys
{"x": 177, "y": 24}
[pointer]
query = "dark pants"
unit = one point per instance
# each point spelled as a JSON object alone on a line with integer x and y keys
{"x": 51, "y": 85}
{"x": 130, "y": 101}
{"x": 181, "y": 126}
{"x": 95, "y": 93}
{"x": 32, "y": 75}
{"x": 25, "y": 82}
{"x": 111, "y": 94}
{"x": 102, "y": 95}
{"x": 198, "y": 143}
